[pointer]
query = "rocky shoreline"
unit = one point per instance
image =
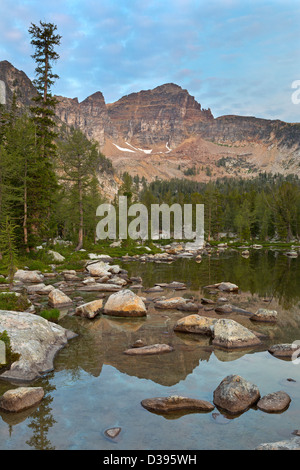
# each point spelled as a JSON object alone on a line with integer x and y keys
{"x": 37, "y": 340}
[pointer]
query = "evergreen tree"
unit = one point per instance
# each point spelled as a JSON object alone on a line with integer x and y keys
{"x": 8, "y": 248}
{"x": 79, "y": 160}
{"x": 44, "y": 39}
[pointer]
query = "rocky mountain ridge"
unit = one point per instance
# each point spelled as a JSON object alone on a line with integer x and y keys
{"x": 165, "y": 133}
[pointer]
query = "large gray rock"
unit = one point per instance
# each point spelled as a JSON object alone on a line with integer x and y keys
{"x": 36, "y": 340}
{"x": 229, "y": 334}
{"x": 21, "y": 399}
{"x": 125, "y": 304}
{"x": 235, "y": 394}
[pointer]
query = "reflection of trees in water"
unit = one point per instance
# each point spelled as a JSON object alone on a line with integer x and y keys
{"x": 265, "y": 273}
{"x": 41, "y": 421}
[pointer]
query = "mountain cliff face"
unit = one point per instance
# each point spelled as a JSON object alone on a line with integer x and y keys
{"x": 16, "y": 81}
{"x": 157, "y": 116}
{"x": 165, "y": 133}
{"x": 90, "y": 116}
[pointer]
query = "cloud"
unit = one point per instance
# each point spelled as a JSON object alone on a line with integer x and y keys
{"x": 232, "y": 55}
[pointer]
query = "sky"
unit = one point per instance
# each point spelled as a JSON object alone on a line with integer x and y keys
{"x": 234, "y": 56}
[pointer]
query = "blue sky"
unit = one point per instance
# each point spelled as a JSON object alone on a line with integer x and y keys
{"x": 234, "y": 56}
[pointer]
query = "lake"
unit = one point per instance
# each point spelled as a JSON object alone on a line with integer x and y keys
{"x": 94, "y": 386}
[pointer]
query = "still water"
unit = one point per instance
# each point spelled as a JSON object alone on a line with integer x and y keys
{"x": 95, "y": 386}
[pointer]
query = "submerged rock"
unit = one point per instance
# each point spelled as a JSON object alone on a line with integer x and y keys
{"x": 125, "y": 304}
{"x": 189, "y": 307}
{"x": 21, "y": 398}
{"x": 235, "y": 394}
{"x": 36, "y": 340}
{"x": 223, "y": 309}
{"x": 176, "y": 403}
{"x": 207, "y": 301}
{"x": 149, "y": 350}
{"x": 112, "y": 433}
{"x": 274, "y": 402}
{"x": 230, "y": 334}
{"x": 291, "y": 444}
{"x": 285, "y": 350}
{"x": 154, "y": 289}
{"x": 90, "y": 309}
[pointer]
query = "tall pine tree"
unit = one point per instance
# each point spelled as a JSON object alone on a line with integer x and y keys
{"x": 44, "y": 39}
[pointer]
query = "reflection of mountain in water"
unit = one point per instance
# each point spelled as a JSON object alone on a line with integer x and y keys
{"x": 104, "y": 340}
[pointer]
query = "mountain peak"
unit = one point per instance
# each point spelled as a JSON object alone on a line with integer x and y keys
{"x": 95, "y": 97}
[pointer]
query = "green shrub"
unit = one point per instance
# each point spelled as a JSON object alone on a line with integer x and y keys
{"x": 12, "y": 301}
{"x": 51, "y": 314}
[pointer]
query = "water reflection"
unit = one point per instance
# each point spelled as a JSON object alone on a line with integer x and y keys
{"x": 266, "y": 273}
{"x": 41, "y": 420}
{"x": 102, "y": 342}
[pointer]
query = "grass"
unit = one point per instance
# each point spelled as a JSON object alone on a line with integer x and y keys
{"x": 11, "y": 301}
